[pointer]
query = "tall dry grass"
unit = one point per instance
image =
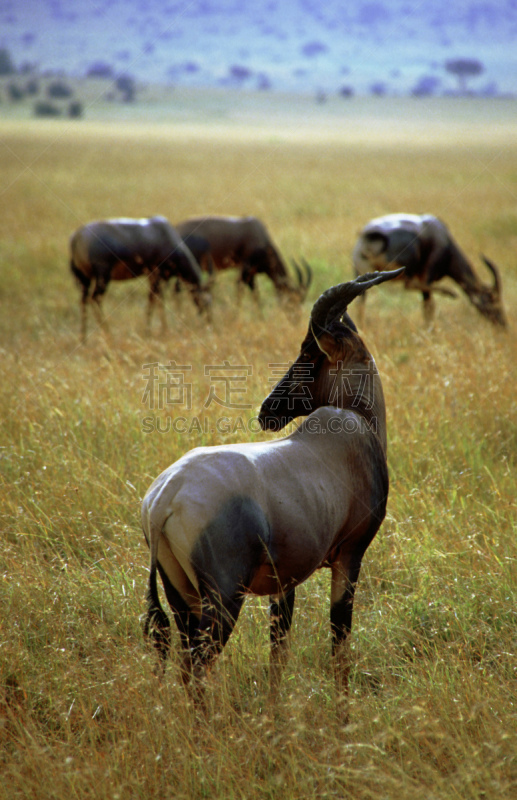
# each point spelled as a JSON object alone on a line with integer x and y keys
{"x": 433, "y": 684}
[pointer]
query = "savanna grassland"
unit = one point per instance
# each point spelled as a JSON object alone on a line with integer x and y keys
{"x": 433, "y": 688}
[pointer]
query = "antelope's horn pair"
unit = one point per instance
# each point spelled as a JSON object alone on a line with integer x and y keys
{"x": 333, "y": 303}
{"x": 495, "y": 272}
{"x": 304, "y": 281}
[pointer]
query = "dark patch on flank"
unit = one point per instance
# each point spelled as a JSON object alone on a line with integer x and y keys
{"x": 232, "y": 546}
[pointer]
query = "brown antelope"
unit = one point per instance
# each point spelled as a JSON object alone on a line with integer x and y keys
{"x": 121, "y": 249}
{"x": 424, "y": 246}
{"x": 245, "y": 244}
{"x": 260, "y": 518}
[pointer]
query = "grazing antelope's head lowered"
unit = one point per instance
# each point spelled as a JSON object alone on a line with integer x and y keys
{"x": 245, "y": 244}
{"x": 488, "y": 298}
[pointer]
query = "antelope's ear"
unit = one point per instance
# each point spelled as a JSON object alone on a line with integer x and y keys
{"x": 332, "y": 347}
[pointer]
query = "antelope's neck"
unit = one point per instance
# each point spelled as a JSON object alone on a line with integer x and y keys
{"x": 462, "y": 272}
{"x": 359, "y": 389}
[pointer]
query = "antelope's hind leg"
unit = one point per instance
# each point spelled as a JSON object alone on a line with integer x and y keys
{"x": 428, "y": 308}
{"x": 219, "y": 615}
{"x": 186, "y": 622}
{"x": 281, "y": 617}
{"x": 101, "y": 284}
{"x": 85, "y": 291}
{"x": 225, "y": 558}
{"x": 155, "y": 299}
{"x": 344, "y": 580}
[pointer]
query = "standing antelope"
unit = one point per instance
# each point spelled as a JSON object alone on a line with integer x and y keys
{"x": 424, "y": 246}
{"x": 243, "y": 243}
{"x": 260, "y": 518}
{"x": 121, "y": 249}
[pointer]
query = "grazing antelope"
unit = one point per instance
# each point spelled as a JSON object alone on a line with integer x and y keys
{"x": 121, "y": 249}
{"x": 424, "y": 246}
{"x": 245, "y": 244}
{"x": 260, "y": 518}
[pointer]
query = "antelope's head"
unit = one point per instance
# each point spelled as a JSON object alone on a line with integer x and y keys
{"x": 487, "y": 299}
{"x": 334, "y": 367}
{"x": 291, "y": 292}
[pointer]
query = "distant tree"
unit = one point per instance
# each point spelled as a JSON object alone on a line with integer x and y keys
{"x": 190, "y": 67}
{"x": 263, "y": 82}
{"x": 59, "y": 89}
{"x": 464, "y": 68}
{"x": 239, "y": 73}
{"x": 6, "y": 63}
{"x": 44, "y": 108}
{"x": 75, "y": 109}
{"x": 32, "y": 86}
{"x": 371, "y": 14}
{"x": 426, "y": 86}
{"x": 15, "y": 92}
{"x": 127, "y": 87}
{"x": 378, "y": 89}
{"x": 99, "y": 69}
{"x": 346, "y": 91}
{"x": 311, "y": 49}
{"x": 27, "y": 68}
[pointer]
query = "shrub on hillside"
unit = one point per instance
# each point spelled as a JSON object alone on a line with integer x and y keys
{"x": 32, "y": 86}
{"x": 44, "y": 108}
{"x": 426, "y": 86}
{"x": 312, "y": 49}
{"x": 263, "y": 82}
{"x": 15, "y": 92}
{"x": 378, "y": 89}
{"x": 27, "y": 68}
{"x": 239, "y": 73}
{"x": 75, "y": 110}
{"x": 100, "y": 69}
{"x": 58, "y": 90}
{"x": 127, "y": 87}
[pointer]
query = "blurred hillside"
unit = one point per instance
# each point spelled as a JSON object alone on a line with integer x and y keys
{"x": 377, "y": 47}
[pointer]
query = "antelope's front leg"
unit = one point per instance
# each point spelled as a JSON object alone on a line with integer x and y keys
{"x": 84, "y": 311}
{"x": 344, "y": 579}
{"x": 428, "y": 308}
{"x": 100, "y": 288}
{"x": 281, "y": 617}
{"x": 155, "y": 298}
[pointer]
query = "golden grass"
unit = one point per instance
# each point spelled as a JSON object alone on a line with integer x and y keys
{"x": 433, "y": 685}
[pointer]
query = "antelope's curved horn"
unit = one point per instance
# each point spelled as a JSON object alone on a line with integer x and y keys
{"x": 299, "y": 276}
{"x": 333, "y": 303}
{"x": 308, "y": 271}
{"x": 304, "y": 276}
{"x": 495, "y": 272}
